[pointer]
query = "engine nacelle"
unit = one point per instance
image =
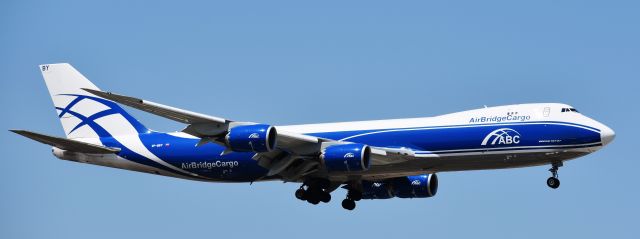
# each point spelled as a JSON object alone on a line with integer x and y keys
{"x": 346, "y": 157}
{"x": 252, "y": 138}
{"x": 418, "y": 186}
{"x": 376, "y": 190}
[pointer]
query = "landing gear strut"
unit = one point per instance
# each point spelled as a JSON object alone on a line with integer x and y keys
{"x": 553, "y": 181}
{"x": 315, "y": 192}
{"x": 349, "y": 203}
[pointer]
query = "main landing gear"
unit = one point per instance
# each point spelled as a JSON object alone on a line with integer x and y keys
{"x": 349, "y": 203}
{"x": 315, "y": 192}
{"x": 553, "y": 181}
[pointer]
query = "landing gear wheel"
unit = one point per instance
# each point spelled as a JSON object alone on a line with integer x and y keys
{"x": 553, "y": 182}
{"x": 313, "y": 201}
{"x": 313, "y": 195}
{"x": 326, "y": 197}
{"x": 300, "y": 194}
{"x": 354, "y": 195}
{"x": 348, "y": 204}
{"x": 315, "y": 191}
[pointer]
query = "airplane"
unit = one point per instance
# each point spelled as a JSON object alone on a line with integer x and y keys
{"x": 378, "y": 159}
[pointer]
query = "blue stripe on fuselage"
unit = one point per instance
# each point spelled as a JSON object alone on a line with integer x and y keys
{"x": 206, "y": 160}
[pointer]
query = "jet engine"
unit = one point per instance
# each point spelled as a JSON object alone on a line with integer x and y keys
{"x": 418, "y": 186}
{"x": 346, "y": 157}
{"x": 376, "y": 190}
{"x": 252, "y": 138}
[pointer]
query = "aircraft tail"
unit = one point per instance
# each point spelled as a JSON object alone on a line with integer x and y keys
{"x": 82, "y": 114}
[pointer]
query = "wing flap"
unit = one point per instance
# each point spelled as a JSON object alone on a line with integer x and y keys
{"x": 385, "y": 156}
{"x": 67, "y": 144}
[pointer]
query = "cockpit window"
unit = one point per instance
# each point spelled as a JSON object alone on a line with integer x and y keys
{"x": 569, "y": 110}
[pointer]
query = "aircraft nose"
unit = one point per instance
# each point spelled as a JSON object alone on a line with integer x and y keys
{"x": 607, "y": 135}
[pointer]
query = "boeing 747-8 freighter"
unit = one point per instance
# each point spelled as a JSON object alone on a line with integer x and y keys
{"x": 378, "y": 159}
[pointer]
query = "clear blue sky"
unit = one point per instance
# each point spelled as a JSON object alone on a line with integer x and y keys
{"x": 287, "y": 62}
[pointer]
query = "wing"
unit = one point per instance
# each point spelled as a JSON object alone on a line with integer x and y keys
{"x": 294, "y": 157}
{"x": 67, "y": 144}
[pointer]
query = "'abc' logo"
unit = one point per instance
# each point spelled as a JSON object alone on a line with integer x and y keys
{"x": 502, "y": 136}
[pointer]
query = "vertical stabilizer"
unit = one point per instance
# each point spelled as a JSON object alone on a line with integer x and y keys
{"x": 82, "y": 114}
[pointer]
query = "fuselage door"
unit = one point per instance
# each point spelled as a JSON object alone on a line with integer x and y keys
{"x": 546, "y": 112}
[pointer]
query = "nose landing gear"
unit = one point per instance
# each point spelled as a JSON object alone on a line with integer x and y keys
{"x": 553, "y": 181}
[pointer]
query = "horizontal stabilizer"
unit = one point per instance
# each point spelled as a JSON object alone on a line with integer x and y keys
{"x": 67, "y": 144}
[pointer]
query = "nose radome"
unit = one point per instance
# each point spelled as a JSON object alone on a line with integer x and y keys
{"x": 607, "y": 135}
